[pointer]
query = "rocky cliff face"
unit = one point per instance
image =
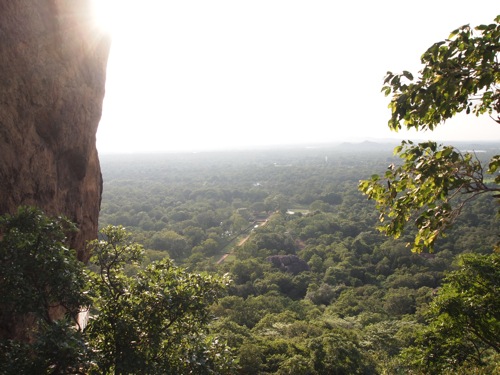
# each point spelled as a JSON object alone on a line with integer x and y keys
{"x": 52, "y": 78}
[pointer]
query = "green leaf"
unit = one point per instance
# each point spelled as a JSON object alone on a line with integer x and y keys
{"x": 408, "y": 75}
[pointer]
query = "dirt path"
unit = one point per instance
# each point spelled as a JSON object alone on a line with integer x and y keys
{"x": 223, "y": 258}
{"x": 243, "y": 241}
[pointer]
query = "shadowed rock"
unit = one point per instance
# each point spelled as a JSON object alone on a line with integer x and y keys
{"x": 52, "y": 78}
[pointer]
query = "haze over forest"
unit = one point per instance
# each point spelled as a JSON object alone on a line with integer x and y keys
{"x": 193, "y": 76}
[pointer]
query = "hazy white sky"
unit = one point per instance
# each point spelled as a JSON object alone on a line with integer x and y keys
{"x": 204, "y": 74}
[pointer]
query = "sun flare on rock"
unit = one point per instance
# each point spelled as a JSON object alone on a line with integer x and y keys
{"x": 110, "y": 15}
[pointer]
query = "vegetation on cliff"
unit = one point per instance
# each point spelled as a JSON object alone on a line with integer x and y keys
{"x": 149, "y": 320}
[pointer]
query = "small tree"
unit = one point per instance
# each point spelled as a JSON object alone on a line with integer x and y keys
{"x": 155, "y": 321}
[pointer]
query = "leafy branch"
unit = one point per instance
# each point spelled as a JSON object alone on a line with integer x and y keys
{"x": 461, "y": 73}
{"x": 430, "y": 188}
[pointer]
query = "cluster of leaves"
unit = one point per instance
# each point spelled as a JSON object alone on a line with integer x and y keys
{"x": 464, "y": 319}
{"x": 459, "y": 74}
{"x": 32, "y": 242}
{"x": 40, "y": 281}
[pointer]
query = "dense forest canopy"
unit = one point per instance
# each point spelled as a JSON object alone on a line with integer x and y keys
{"x": 361, "y": 297}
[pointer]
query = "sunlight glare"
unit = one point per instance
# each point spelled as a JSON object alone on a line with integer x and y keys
{"x": 216, "y": 74}
{"x": 106, "y": 14}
